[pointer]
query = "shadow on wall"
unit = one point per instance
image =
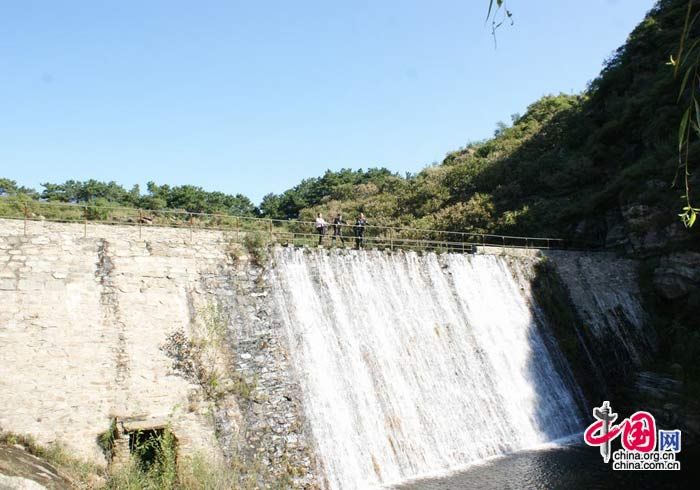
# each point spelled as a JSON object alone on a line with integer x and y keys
{"x": 600, "y": 363}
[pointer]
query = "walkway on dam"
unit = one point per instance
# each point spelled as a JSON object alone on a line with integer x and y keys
{"x": 269, "y": 231}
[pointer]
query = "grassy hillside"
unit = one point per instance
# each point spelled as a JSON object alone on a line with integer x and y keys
{"x": 598, "y": 165}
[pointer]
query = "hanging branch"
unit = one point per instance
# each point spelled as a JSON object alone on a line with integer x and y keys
{"x": 496, "y": 6}
{"x": 687, "y": 62}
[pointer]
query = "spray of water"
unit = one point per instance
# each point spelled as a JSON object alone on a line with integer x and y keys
{"x": 416, "y": 364}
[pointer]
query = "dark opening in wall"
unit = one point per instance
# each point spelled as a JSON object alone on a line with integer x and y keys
{"x": 146, "y": 445}
{"x": 149, "y": 442}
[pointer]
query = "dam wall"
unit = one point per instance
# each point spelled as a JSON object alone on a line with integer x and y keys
{"x": 345, "y": 369}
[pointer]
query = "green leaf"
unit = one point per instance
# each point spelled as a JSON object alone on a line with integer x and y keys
{"x": 499, "y": 4}
{"x": 689, "y": 52}
{"x": 682, "y": 128}
{"x": 684, "y": 35}
{"x": 488, "y": 14}
{"x": 683, "y": 83}
{"x": 692, "y": 22}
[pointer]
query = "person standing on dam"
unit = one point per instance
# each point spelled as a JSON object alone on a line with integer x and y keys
{"x": 321, "y": 226}
{"x": 360, "y": 231}
{"x": 338, "y": 229}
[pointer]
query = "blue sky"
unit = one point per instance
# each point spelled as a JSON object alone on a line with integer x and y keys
{"x": 253, "y": 96}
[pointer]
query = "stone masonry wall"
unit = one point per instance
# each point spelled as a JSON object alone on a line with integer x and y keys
{"x": 84, "y": 316}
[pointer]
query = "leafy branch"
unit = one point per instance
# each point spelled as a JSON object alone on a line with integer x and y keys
{"x": 687, "y": 62}
{"x": 496, "y": 6}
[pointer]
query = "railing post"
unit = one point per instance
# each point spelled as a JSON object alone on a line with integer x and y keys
{"x": 504, "y": 243}
{"x": 270, "y": 230}
{"x": 26, "y": 215}
{"x": 391, "y": 239}
{"x": 191, "y": 222}
{"x": 238, "y": 225}
{"x": 140, "y": 218}
{"x": 85, "y": 218}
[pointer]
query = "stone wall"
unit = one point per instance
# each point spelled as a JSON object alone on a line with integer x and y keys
{"x": 85, "y": 313}
{"x": 81, "y": 326}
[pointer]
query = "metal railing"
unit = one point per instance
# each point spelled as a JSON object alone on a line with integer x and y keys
{"x": 285, "y": 232}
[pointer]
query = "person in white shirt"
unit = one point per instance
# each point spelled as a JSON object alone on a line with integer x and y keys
{"x": 321, "y": 226}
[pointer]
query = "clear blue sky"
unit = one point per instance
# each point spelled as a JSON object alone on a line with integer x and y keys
{"x": 253, "y": 96}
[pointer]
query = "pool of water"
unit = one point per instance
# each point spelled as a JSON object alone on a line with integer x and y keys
{"x": 568, "y": 467}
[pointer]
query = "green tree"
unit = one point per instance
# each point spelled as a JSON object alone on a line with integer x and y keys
{"x": 10, "y": 188}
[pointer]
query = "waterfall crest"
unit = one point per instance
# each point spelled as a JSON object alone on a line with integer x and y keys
{"x": 411, "y": 365}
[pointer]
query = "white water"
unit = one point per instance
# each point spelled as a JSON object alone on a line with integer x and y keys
{"x": 415, "y": 365}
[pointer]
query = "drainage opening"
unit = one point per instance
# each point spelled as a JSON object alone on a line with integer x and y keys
{"x": 151, "y": 445}
{"x": 146, "y": 442}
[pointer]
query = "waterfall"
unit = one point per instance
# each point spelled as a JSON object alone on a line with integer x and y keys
{"x": 411, "y": 365}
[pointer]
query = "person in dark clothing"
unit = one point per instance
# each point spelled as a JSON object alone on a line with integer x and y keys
{"x": 360, "y": 231}
{"x": 338, "y": 229}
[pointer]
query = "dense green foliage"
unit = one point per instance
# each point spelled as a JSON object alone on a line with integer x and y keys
{"x": 187, "y": 197}
{"x": 10, "y": 187}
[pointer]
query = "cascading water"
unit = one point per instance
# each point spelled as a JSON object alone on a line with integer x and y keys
{"x": 418, "y": 364}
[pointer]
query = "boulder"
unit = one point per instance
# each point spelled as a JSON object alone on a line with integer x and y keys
{"x": 21, "y": 470}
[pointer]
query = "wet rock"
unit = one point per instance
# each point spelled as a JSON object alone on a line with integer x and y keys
{"x": 659, "y": 387}
{"x": 677, "y": 275}
{"x": 644, "y": 227}
{"x": 676, "y": 371}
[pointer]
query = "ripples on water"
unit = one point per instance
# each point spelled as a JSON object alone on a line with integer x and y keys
{"x": 570, "y": 467}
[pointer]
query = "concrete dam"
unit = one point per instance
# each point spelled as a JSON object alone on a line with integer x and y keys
{"x": 358, "y": 369}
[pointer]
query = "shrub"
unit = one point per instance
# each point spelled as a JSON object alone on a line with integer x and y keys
{"x": 256, "y": 245}
{"x": 152, "y": 466}
{"x": 97, "y": 210}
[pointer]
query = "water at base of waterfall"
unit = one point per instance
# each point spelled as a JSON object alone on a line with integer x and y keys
{"x": 568, "y": 467}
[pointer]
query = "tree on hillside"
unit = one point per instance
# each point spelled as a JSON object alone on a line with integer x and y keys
{"x": 686, "y": 69}
{"x": 9, "y": 187}
{"x": 74, "y": 191}
{"x": 194, "y": 199}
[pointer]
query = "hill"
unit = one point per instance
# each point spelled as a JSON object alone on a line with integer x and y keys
{"x": 597, "y": 166}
